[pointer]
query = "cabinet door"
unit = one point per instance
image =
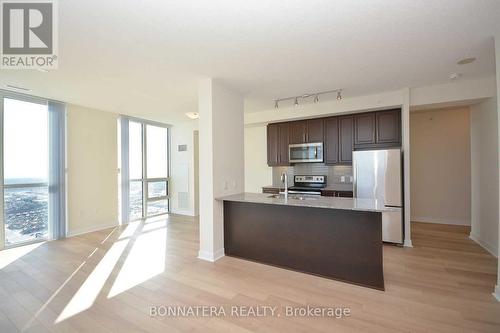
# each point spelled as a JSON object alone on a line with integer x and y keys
{"x": 388, "y": 126}
{"x": 364, "y": 129}
{"x": 298, "y": 132}
{"x": 272, "y": 144}
{"x": 346, "y": 144}
{"x": 328, "y": 193}
{"x": 344, "y": 194}
{"x": 315, "y": 130}
{"x": 283, "y": 141}
{"x": 331, "y": 146}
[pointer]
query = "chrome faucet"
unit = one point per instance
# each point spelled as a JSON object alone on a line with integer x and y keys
{"x": 284, "y": 179}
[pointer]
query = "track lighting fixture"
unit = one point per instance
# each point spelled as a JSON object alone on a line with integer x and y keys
{"x": 305, "y": 96}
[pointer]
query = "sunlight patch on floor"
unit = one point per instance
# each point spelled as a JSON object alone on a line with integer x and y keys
{"x": 8, "y": 256}
{"x": 145, "y": 260}
{"x": 90, "y": 289}
{"x": 130, "y": 230}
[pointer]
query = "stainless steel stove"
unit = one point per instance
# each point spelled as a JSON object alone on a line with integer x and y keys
{"x": 310, "y": 185}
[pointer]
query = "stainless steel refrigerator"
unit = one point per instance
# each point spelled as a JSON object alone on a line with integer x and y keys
{"x": 377, "y": 175}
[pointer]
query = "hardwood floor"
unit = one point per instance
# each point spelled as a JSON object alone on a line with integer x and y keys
{"x": 106, "y": 281}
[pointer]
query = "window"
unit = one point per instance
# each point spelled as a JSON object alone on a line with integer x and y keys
{"x": 31, "y": 153}
{"x": 145, "y": 169}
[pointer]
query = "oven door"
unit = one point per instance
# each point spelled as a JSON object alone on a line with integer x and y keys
{"x": 306, "y": 152}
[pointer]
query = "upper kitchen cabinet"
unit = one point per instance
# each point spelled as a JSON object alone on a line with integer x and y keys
{"x": 277, "y": 144}
{"x": 315, "y": 130}
{"x": 388, "y": 126}
{"x": 272, "y": 144}
{"x": 377, "y": 129}
{"x": 306, "y": 131}
{"x": 284, "y": 130}
{"x": 298, "y": 132}
{"x": 364, "y": 129}
{"x": 331, "y": 140}
{"x": 346, "y": 139}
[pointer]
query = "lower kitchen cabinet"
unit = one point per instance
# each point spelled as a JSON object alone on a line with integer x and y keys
{"x": 338, "y": 194}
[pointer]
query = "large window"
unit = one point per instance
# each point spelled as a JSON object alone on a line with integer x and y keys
{"x": 25, "y": 171}
{"x": 32, "y": 169}
{"x": 148, "y": 169}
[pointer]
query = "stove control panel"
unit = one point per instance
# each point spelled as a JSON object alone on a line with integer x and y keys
{"x": 310, "y": 179}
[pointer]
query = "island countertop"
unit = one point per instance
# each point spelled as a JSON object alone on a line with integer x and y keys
{"x": 355, "y": 204}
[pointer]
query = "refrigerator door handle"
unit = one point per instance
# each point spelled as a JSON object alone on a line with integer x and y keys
{"x": 355, "y": 173}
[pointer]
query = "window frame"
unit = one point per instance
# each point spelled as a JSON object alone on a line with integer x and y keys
{"x": 145, "y": 180}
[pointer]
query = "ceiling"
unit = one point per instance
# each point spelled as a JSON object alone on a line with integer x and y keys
{"x": 145, "y": 58}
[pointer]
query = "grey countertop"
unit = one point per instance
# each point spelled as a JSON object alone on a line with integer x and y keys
{"x": 311, "y": 201}
{"x": 335, "y": 187}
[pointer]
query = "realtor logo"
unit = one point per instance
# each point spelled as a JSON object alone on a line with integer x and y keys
{"x": 29, "y": 34}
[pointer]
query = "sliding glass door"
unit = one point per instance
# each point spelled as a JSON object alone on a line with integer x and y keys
{"x": 148, "y": 169}
{"x": 25, "y": 190}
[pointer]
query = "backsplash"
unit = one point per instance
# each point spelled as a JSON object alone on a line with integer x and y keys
{"x": 333, "y": 174}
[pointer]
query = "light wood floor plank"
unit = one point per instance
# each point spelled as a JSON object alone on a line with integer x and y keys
{"x": 442, "y": 284}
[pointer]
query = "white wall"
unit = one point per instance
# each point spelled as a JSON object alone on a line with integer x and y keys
{"x": 221, "y": 160}
{"x": 182, "y": 172}
{"x": 92, "y": 172}
{"x": 440, "y": 166}
{"x": 484, "y": 171}
{"x": 257, "y": 173}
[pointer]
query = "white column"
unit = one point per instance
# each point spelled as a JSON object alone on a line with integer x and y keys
{"x": 221, "y": 160}
{"x": 405, "y": 122}
{"x": 496, "y": 293}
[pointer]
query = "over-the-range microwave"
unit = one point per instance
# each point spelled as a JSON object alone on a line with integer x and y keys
{"x": 306, "y": 152}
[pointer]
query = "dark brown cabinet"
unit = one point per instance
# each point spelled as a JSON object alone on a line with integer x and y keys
{"x": 331, "y": 147}
{"x": 388, "y": 124}
{"x": 283, "y": 144}
{"x": 315, "y": 130}
{"x": 306, "y": 131}
{"x": 364, "y": 132}
{"x": 340, "y": 135}
{"x": 277, "y": 144}
{"x": 346, "y": 139}
{"x": 380, "y": 129}
{"x": 298, "y": 132}
{"x": 338, "y": 194}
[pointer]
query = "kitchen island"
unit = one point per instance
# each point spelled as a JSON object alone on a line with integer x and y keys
{"x": 337, "y": 238}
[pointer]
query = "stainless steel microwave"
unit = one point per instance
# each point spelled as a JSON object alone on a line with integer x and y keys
{"x": 306, "y": 152}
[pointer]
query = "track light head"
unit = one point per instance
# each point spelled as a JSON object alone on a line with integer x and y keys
{"x": 339, "y": 95}
{"x": 276, "y": 104}
{"x": 296, "y": 102}
{"x": 316, "y": 98}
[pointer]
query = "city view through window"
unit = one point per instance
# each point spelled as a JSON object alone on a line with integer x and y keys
{"x": 25, "y": 171}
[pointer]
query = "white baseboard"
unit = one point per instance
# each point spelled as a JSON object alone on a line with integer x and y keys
{"x": 485, "y": 245}
{"x": 407, "y": 243}
{"x": 439, "y": 220}
{"x": 182, "y": 212}
{"x": 496, "y": 293}
{"x": 211, "y": 256}
{"x": 81, "y": 231}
